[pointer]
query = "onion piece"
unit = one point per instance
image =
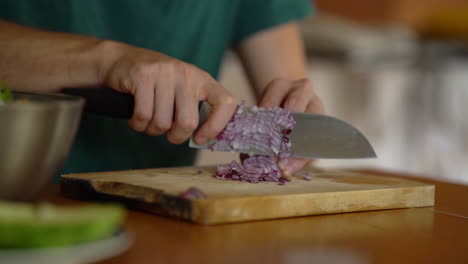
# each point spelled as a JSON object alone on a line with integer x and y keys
{"x": 193, "y": 193}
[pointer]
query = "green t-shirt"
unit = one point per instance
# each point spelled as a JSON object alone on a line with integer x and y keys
{"x": 198, "y": 32}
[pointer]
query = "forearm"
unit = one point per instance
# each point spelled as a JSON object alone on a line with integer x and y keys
{"x": 276, "y": 53}
{"x": 37, "y": 60}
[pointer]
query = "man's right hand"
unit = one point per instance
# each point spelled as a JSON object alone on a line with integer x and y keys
{"x": 167, "y": 92}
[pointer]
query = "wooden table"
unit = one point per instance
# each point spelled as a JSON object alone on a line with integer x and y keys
{"x": 416, "y": 235}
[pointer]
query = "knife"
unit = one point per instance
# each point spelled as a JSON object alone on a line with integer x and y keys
{"x": 314, "y": 136}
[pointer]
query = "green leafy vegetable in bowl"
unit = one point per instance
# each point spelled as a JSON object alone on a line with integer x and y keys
{"x": 24, "y": 225}
{"x": 5, "y": 93}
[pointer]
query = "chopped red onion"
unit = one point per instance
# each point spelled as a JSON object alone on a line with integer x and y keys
{"x": 260, "y": 128}
{"x": 254, "y": 169}
{"x": 265, "y": 129}
{"x": 193, "y": 193}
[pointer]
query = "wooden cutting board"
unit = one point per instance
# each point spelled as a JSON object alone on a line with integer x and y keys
{"x": 157, "y": 191}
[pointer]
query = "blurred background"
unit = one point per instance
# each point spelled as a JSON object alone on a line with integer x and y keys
{"x": 397, "y": 70}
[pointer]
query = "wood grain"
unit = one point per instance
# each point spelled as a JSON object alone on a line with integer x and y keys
{"x": 157, "y": 190}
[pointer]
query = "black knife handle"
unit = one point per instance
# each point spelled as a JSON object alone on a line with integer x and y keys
{"x": 104, "y": 101}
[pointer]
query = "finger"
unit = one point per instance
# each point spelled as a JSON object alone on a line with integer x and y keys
{"x": 315, "y": 105}
{"x": 223, "y": 107}
{"x": 297, "y": 100}
{"x": 274, "y": 93}
{"x": 143, "y": 109}
{"x": 290, "y": 166}
{"x": 163, "y": 108}
{"x": 186, "y": 114}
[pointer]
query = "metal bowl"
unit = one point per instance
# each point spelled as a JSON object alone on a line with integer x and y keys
{"x": 36, "y": 134}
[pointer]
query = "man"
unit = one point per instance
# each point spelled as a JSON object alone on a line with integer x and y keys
{"x": 166, "y": 54}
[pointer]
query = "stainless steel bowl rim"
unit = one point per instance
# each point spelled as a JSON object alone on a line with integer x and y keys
{"x": 46, "y": 101}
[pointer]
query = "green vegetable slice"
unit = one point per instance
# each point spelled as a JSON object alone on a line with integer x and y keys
{"x": 5, "y": 93}
{"x": 25, "y": 225}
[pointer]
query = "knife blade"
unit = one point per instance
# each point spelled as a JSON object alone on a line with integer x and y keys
{"x": 314, "y": 136}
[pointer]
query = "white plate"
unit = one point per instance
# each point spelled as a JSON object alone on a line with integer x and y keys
{"x": 76, "y": 254}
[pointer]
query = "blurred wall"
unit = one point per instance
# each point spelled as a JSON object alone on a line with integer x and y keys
{"x": 413, "y": 13}
{"x": 368, "y": 11}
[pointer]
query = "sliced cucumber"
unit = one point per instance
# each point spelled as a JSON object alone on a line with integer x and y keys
{"x": 27, "y": 226}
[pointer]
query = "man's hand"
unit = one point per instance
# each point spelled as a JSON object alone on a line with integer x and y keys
{"x": 295, "y": 96}
{"x": 167, "y": 92}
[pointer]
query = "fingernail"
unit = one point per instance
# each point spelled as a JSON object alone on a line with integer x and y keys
{"x": 201, "y": 140}
{"x": 283, "y": 163}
